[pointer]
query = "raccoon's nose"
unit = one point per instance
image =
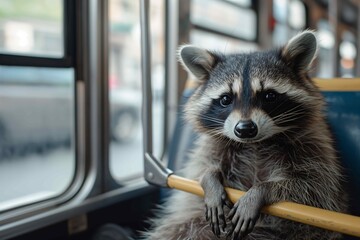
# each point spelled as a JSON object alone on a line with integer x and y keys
{"x": 245, "y": 129}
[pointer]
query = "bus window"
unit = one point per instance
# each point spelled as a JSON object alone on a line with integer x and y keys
{"x": 280, "y": 14}
{"x": 209, "y": 29}
{"x": 326, "y": 46}
{"x": 289, "y": 19}
{"x": 348, "y": 52}
{"x": 297, "y": 15}
{"x": 32, "y": 27}
{"x": 37, "y": 115}
{"x": 210, "y": 15}
{"x": 220, "y": 43}
{"x": 37, "y": 159}
{"x": 126, "y": 160}
{"x": 336, "y": 25}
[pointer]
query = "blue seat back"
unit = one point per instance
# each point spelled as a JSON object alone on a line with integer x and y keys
{"x": 343, "y": 113}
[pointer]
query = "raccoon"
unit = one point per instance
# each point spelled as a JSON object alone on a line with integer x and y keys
{"x": 261, "y": 125}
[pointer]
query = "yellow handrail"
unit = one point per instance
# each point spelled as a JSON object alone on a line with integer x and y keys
{"x": 317, "y": 217}
{"x": 338, "y": 84}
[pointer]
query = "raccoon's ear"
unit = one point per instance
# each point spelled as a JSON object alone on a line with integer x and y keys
{"x": 198, "y": 61}
{"x": 300, "y": 51}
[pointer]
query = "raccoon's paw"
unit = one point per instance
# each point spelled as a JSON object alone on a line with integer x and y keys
{"x": 244, "y": 215}
{"x": 214, "y": 212}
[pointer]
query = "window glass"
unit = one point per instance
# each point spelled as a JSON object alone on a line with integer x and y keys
{"x": 335, "y": 25}
{"x": 243, "y": 3}
{"x": 297, "y": 15}
{"x": 240, "y": 22}
{"x": 348, "y": 53}
{"x": 32, "y": 27}
{"x": 280, "y": 10}
{"x": 126, "y": 153}
{"x": 281, "y": 31}
{"x": 219, "y": 42}
{"x": 325, "y": 57}
{"x": 37, "y": 157}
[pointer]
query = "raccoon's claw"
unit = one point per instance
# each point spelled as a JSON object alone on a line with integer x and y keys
{"x": 244, "y": 215}
{"x": 217, "y": 219}
{"x": 214, "y": 212}
{"x": 242, "y": 228}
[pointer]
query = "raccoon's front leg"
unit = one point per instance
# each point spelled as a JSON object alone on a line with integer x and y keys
{"x": 215, "y": 198}
{"x": 246, "y": 212}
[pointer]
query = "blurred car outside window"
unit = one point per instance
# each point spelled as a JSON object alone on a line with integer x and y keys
{"x": 37, "y": 155}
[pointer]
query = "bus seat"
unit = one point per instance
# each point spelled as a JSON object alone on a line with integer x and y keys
{"x": 183, "y": 137}
{"x": 343, "y": 112}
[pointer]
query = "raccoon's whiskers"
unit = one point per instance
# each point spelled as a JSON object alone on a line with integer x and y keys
{"x": 215, "y": 133}
{"x": 287, "y": 111}
{"x": 219, "y": 138}
{"x": 215, "y": 120}
{"x": 289, "y": 115}
{"x": 292, "y": 138}
{"x": 277, "y": 107}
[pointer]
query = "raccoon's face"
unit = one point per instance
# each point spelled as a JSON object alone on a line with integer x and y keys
{"x": 251, "y": 97}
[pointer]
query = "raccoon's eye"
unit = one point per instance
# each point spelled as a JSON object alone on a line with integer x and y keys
{"x": 225, "y": 100}
{"x": 270, "y": 96}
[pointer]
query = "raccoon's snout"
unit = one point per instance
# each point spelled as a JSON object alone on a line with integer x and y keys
{"x": 246, "y": 129}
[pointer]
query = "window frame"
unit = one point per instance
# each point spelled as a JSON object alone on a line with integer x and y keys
{"x": 92, "y": 187}
{"x": 254, "y": 7}
{"x": 69, "y": 38}
{"x": 25, "y": 210}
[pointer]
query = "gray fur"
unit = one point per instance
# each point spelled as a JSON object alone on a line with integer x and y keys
{"x": 198, "y": 61}
{"x": 289, "y": 160}
{"x": 301, "y": 50}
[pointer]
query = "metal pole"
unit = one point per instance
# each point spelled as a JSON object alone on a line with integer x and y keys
{"x": 155, "y": 173}
{"x": 146, "y": 76}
